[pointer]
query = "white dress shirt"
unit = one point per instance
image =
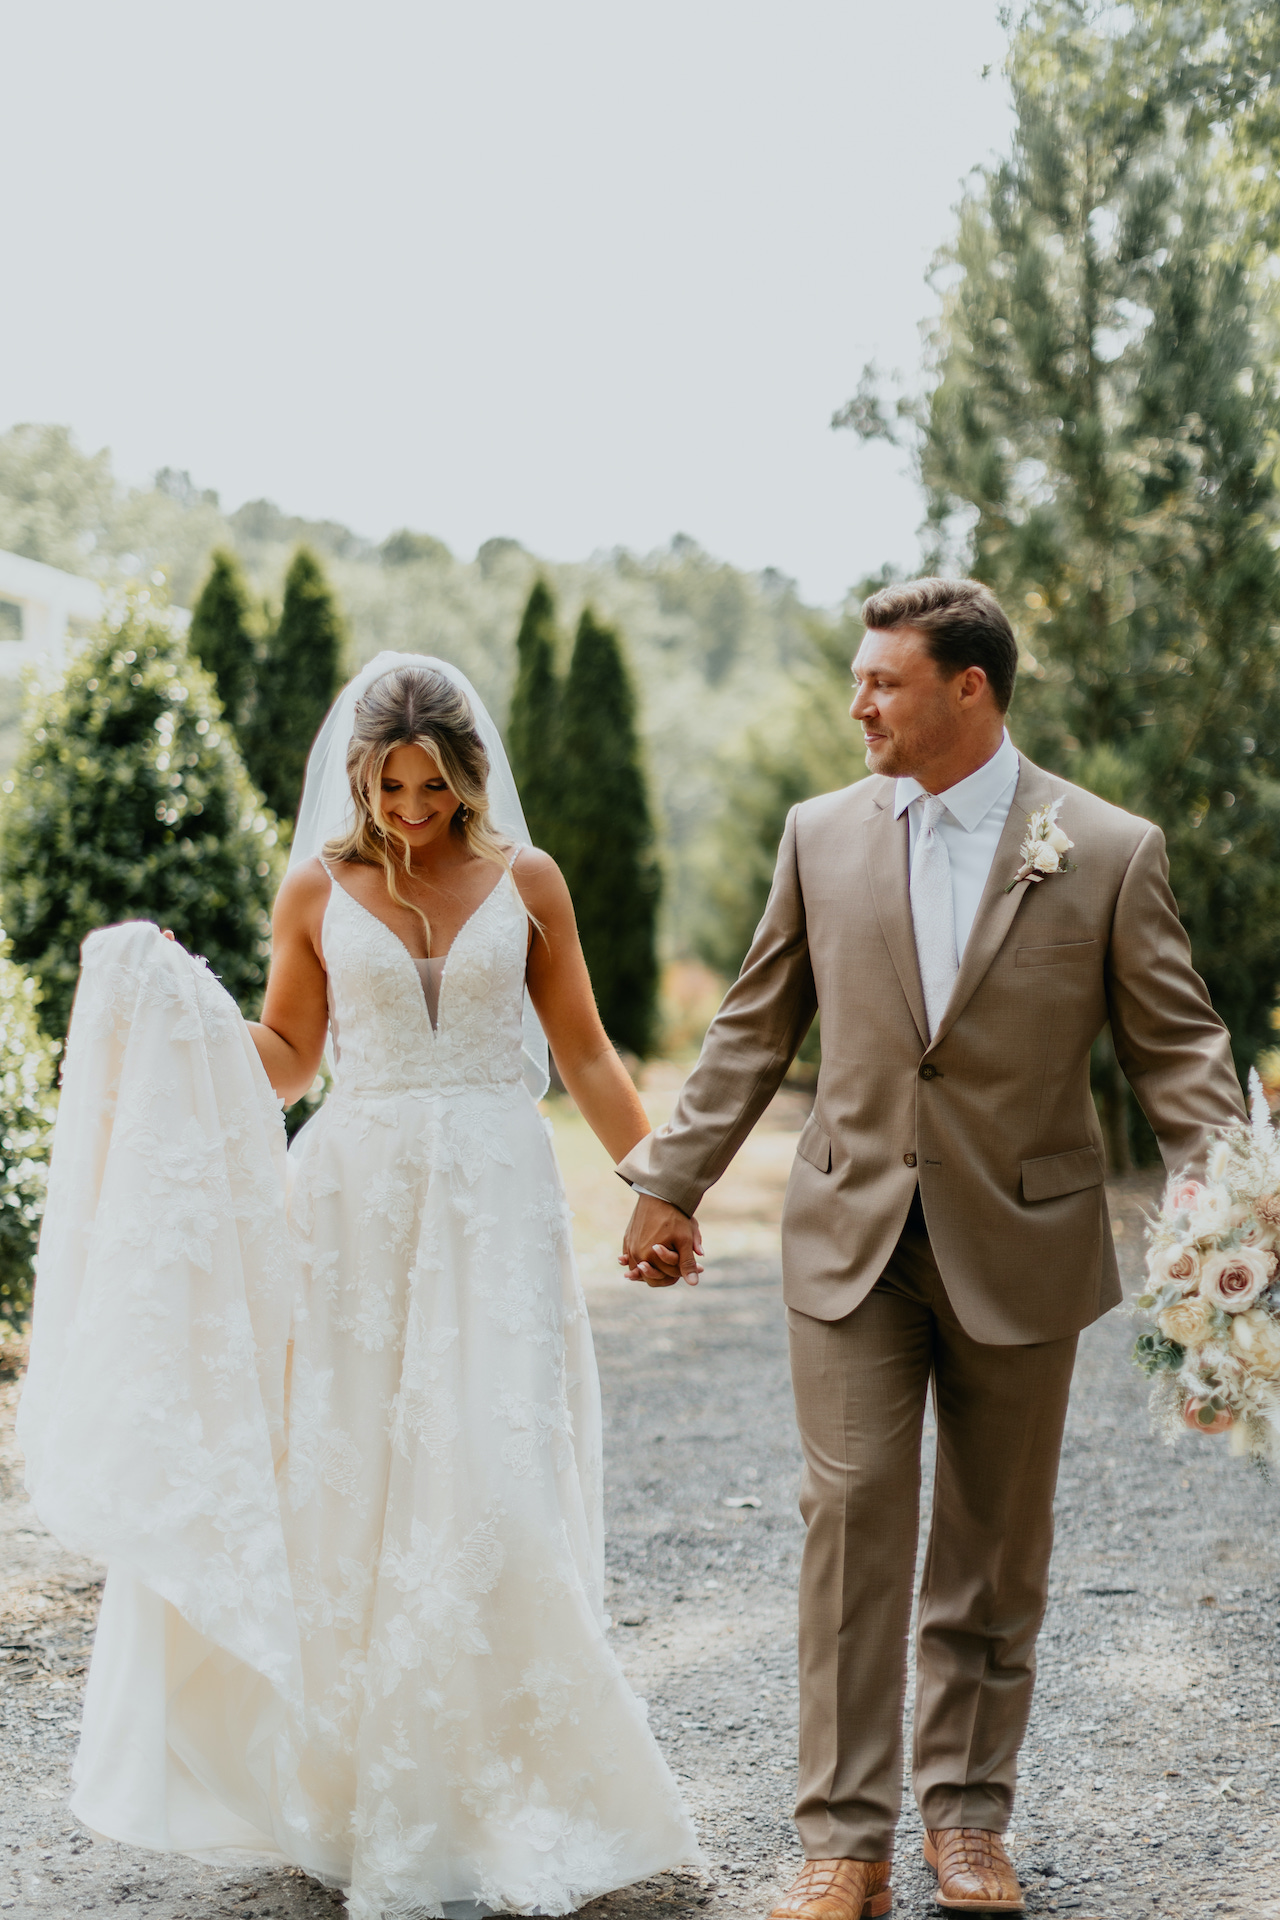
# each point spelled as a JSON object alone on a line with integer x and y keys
{"x": 976, "y": 810}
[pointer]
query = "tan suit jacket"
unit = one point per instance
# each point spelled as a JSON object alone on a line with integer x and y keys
{"x": 994, "y": 1119}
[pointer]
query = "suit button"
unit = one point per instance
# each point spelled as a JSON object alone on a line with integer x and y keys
{"x": 928, "y": 1072}
{"x": 908, "y": 1159}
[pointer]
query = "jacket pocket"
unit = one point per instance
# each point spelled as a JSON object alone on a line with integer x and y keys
{"x": 1059, "y": 1173}
{"x": 815, "y": 1146}
{"x": 1055, "y": 956}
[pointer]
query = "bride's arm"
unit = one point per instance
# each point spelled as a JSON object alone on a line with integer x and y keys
{"x": 295, "y": 1014}
{"x": 560, "y": 990}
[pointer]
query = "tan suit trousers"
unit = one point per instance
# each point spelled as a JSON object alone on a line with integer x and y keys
{"x": 860, "y": 1387}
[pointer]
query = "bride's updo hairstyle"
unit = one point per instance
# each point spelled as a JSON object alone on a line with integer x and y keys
{"x": 415, "y": 707}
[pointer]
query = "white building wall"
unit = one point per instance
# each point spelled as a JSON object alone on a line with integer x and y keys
{"x": 52, "y": 604}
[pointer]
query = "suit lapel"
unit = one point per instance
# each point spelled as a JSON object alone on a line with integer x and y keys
{"x": 887, "y": 842}
{"x": 997, "y": 909}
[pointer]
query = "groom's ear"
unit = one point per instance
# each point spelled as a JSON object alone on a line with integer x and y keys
{"x": 973, "y": 686}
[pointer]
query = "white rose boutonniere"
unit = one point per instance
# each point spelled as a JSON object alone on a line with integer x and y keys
{"x": 1044, "y": 847}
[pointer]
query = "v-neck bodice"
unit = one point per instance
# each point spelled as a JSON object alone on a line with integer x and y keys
{"x": 385, "y": 1038}
{"x": 431, "y": 974}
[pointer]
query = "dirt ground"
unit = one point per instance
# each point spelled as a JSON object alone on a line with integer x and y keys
{"x": 1151, "y": 1776}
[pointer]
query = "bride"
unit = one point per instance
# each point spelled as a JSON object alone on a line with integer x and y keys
{"x": 461, "y": 1738}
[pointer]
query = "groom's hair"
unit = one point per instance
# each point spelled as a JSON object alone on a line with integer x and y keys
{"x": 962, "y": 621}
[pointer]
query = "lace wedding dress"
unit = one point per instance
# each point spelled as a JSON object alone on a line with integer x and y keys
{"x": 349, "y": 1490}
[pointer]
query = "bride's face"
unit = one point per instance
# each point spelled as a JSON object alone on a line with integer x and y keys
{"x": 417, "y": 801}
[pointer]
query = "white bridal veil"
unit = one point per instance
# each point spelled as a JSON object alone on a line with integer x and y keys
{"x": 327, "y": 808}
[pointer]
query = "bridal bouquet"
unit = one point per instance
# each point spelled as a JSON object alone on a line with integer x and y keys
{"x": 1213, "y": 1291}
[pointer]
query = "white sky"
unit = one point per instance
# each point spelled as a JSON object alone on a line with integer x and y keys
{"x": 568, "y": 270}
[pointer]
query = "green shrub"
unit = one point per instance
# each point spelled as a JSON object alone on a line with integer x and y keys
{"x": 129, "y": 800}
{"x": 27, "y": 1108}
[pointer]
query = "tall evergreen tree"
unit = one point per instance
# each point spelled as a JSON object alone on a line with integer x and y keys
{"x": 533, "y": 727}
{"x": 606, "y": 844}
{"x": 128, "y": 796}
{"x": 298, "y": 678}
{"x": 222, "y": 636}
{"x": 1102, "y": 428}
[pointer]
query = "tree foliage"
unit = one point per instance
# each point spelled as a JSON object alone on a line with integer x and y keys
{"x": 27, "y": 1108}
{"x": 533, "y": 723}
{"x": 711, "y": 647}
{"x": 224, "y": 638}
{"x": 299, "y": 673}
{"x": 809, "y": 746}
{"x": 129, "y": 798}
{"x": 1101, "y": 437}
{"x": 54, "y": 499}
{"x": 606, "y": 836}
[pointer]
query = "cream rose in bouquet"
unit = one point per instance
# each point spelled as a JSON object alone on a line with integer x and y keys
{"x": 1213, "y": 1292}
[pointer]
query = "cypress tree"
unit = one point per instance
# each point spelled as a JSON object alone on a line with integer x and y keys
{"x": 533, "y": 728}
{"x": 129, "y": 798}
{"x": 607, "y": 837}
{"x": 222, "y": 637}
{"x": 298, "y": 679}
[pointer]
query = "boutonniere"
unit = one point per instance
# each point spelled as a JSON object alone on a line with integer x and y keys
{"x": 1044, "y": 847}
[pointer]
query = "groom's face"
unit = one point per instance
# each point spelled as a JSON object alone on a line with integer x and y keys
{"x": 907, "y": 710}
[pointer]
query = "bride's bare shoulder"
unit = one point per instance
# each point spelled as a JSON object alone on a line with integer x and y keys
{"x": 302, "y": 891}
{"x": 539, "y": 880}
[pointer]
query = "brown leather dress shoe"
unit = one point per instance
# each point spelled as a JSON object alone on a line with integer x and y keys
{"x": 975, "y": 1874}
{"x": 838, "y": 1890}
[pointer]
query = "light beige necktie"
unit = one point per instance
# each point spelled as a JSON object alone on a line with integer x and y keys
{"x": 933, "y": 913}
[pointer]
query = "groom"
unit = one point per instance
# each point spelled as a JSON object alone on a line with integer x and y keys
{"x": 945, "y": 1223}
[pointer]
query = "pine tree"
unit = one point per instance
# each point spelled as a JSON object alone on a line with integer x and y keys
{"x": 128, "y": 800}
{"x": 223, "y": 639}
{"x": 1105, "y": 417}
{"x": 607, "y": 837}
{"x": 299, "y": 674}
{"x": 533, "y": 727}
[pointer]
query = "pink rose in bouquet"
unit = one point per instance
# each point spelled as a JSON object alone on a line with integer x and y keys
{"x": 1184, "y": 1198}
{"x": 1177, "y": 1264}
{"x": 1214, "y": 1423}
{"x": 1234, "y": 1280}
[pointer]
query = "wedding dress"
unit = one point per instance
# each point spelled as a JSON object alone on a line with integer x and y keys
{"x": 346, "y": 1471}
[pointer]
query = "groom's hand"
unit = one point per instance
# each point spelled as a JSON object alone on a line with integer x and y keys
{"x": 661, "y": 1244}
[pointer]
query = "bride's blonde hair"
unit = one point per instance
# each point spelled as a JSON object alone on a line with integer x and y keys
{"x": 415, "y": 707}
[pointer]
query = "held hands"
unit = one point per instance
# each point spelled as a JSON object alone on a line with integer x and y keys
{"x": 661, "y": 1244}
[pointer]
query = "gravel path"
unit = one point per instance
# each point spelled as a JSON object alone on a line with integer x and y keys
{"x": 1151, "y": 1781}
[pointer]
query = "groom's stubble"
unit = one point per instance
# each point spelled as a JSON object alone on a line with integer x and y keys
{"x": 906, "y": 750}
